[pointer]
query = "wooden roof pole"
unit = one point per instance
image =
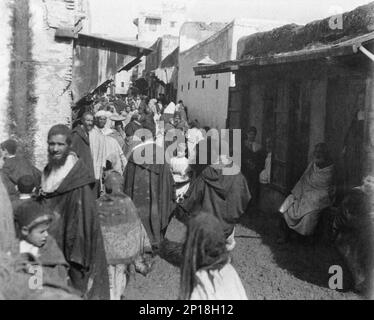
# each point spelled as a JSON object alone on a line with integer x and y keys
{"x": 366, "y": 52}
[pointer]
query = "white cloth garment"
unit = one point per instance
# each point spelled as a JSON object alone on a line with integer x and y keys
{"x": 53, "y": 181}
{"x": 180, "y": 171}
{"x": 171, "y": 108}
{"x": 312, "y": 193}
{"x": 265, "y": 174}
{"x": 117, "y": 281}
{"x": 230, "y": 241}
{"x": 223, "y": 284}
{"x": 26, "y": 247}
{"x": 194, "y": 136}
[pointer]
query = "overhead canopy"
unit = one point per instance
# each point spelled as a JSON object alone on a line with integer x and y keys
{"x": 341, "y": 49}
{"x": 97, "y": 60}
{"x": 331, "y": 37}
{"x": 206, "y": 61}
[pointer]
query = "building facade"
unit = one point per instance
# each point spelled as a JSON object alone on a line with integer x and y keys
{"x": 158, "y": 22}
{"x": 47, "y": 66}
{"x": 314, "y": 84}
{"x": 206, "y": 97}
{"x": 158, "y": 75}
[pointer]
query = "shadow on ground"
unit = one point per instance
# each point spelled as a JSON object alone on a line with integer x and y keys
{"x": 305, "y": 261}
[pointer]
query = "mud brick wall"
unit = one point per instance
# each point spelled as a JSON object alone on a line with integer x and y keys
{"x": 5, "y": 59}
{"x": 36, "y": 71}
{"x": 53, "y": 61}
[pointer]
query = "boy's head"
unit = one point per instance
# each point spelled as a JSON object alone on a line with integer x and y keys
{"x": 33, "y": 220}
{"x": 9, "y": 148}
{"x": 26, "y": 185}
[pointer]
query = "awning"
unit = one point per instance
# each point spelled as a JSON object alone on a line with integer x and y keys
{"x": 97, "y": 60}
{"x": 343, "y": 48}
{"x": 164, "y": 75}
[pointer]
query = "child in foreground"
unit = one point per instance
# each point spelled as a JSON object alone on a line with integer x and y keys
{"x": 32, "y": 221}
{"x": 207, "y": 273}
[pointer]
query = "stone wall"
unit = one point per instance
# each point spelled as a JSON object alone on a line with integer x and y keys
{"x": 53, "y": 69}
{"x": 36, "y": 71}
{"x": 5, "y": 60}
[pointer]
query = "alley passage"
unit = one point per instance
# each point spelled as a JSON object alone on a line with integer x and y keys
{"x": 268, "y": 270}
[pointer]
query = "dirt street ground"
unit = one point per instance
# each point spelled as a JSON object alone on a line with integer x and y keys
{"x": 268, "y": 270}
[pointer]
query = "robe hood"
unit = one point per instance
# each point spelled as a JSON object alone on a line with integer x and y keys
{"x": 213, "y": 177}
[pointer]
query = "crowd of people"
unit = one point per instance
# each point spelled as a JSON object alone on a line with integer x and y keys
{"x": 112, "y": 184}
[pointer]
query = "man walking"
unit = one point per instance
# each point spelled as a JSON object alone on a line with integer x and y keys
{"x": 67, "y": 185}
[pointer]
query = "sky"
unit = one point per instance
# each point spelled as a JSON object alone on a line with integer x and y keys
{"x": 114, "y": 17}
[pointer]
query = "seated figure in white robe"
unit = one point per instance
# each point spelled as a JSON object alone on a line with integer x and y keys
{"x": 313, "y": 193}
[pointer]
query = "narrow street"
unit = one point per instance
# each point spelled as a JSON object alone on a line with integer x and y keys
{"x": 268, "y": 270}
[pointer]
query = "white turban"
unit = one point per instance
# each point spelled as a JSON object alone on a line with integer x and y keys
{"x": 101, "y": 113}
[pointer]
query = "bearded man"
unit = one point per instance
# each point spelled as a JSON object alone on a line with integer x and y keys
{"x": 67, "y": 185}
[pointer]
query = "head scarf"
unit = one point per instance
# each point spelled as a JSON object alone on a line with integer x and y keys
{"x": 204, "y": 249}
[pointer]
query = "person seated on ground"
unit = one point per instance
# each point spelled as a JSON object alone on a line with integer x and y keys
{"x": 225, "y": 196}
{"x": 180, "y": 170}
{"x": 313, "y": 193}
{"x": 207, "y": 272}
{"x": 26, "y": 187}
{"x": 33, "y": 220}
{"x": 125, "y": 239}
{"x": 15, "y": 166}
{"x": 353, "y": 234}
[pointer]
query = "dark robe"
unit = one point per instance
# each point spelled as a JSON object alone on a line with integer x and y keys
{"x": 150, "y": 186}
{"x": 130, "y": 130}
{"x": 353, "y": 230}
{"x": 148, "y": 123}
{"x": 225, "y": 196}
{"x": 353, "y": 157}
{"x": 7, "y": 229}
{"x": 55, "y": 267}
{"x": 132, "y": 127}
{"x": 78, "y": 234}
{"x": 253, "y": 163}
{"x": 81, "y": 146}
{"x": 17, "y": 167}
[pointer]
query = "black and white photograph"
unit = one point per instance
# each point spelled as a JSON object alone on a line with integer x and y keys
{"x": 190, "y": 152}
